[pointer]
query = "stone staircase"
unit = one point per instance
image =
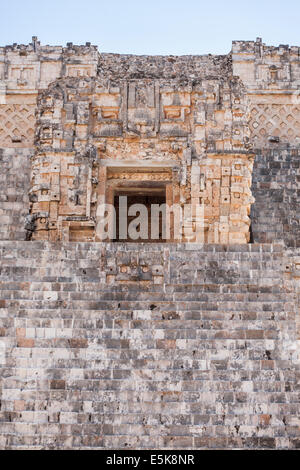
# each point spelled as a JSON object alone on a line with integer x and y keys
{"x": 124, "y": 346}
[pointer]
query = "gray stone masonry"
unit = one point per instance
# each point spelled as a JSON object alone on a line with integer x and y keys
{"x": 14, "y": 187}
{"x": 123, "y": 346}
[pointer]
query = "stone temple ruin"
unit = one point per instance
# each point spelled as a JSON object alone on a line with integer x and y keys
{"x": 189, "y": 342}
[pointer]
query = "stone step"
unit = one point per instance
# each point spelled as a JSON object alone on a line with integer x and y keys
{"x": 267, "y": 301}
{"x": 34, "y": 307}
{"x": 252, "y": 290}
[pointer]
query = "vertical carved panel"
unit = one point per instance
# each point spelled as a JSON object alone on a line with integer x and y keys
{"x": 17, "y": 123}
{"x": 141, "y": 105}
{"x": 275, "y": 120}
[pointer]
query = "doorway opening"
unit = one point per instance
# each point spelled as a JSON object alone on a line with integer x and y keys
{"x": 140, "y": 215}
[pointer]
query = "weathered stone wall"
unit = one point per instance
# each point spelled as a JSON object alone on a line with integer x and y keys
{"x": 15, "y": 167}
{"x": 271, "y": 76}
{"x": 114, "y": 346}
{"x": 275, "y": 187}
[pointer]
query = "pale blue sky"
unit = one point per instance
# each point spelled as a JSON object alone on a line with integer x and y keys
{"x": 151, "y": 27}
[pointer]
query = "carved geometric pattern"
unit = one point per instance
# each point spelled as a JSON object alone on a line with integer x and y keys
{"x": 275, "y": 120}
{"x": 17, "y": 122}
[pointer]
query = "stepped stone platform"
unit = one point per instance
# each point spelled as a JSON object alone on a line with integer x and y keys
{"x": 155, "y": 346}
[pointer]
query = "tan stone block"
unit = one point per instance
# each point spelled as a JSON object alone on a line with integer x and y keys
{"x": 20, "y": 332}
{"x": 19, "y": 405}
{"x": 25, "y": 343}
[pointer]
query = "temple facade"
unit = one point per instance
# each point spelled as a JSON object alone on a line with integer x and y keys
{"x": 108, "y": 341}
{"x": 85, "y": 128}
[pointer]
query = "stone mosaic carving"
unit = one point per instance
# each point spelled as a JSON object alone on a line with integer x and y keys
{"x": 17, "y": 125}
{"x": 82, "y": 112}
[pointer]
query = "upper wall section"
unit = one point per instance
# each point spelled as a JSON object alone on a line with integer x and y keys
{"x": 86, "y": 126}
{"x": 26, "y": 69}
{"x": 266, "y": 67}
{"x": 191, "y": 67}
{"x": 187, "y": 109}
{"x": 271, "y": 76}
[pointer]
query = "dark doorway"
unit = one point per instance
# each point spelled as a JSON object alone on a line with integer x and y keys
{"x": 147, "y": 200}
